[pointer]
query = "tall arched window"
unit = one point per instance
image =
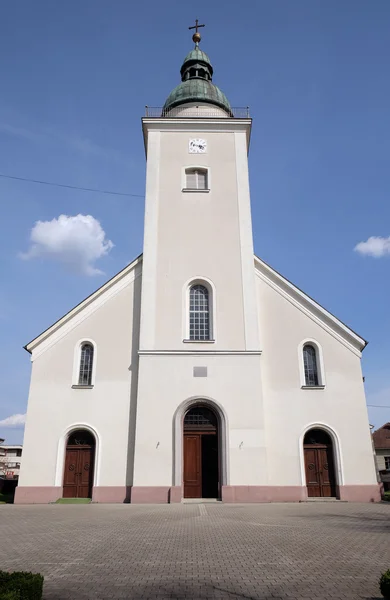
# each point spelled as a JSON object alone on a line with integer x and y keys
{"x": 199, "y": 313}
{"x": 86, "y": 364}
{"x": 310, "y": 365}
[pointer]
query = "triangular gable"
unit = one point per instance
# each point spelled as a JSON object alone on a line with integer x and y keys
{"x": 282, "y": 285}
{"x": 107, "y": 290}
{"x": 310, "y": 307}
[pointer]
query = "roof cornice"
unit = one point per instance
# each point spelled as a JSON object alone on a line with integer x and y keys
{"x": 109, "y": 288}
{"x": 310, "y": 307}
{"x": 192, "y": 124}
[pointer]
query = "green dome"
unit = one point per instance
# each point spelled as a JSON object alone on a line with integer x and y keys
{"x": 196, "y": 84}
{"x": 197, "y": 90}
{"x": 197, "y": 55}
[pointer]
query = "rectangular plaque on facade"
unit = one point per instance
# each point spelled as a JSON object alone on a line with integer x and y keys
{"x": 200, "y": 371}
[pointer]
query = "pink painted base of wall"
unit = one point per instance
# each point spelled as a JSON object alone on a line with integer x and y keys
{"x": 260, "y": 493}
{"x": 176, "y": 494}
{"x": 110, "y": 494}
{"x": 37, "y": 495}
{"x": 359, "y": 493}
{"x": 166, "y": 494}
{"x": 150, "y": 494}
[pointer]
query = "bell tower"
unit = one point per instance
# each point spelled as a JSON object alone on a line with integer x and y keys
{"x": 197, "y": 215}
{"x": 199, "y": 313}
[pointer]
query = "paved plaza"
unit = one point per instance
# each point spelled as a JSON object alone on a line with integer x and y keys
{"x": 267, "y": 551}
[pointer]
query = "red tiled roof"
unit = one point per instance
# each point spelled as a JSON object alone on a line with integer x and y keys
{"x": 381, "y": 436}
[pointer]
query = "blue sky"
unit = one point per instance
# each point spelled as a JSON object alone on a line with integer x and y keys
{"x": 75, "y": 79}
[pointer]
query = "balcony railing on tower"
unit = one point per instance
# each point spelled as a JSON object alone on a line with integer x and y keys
{"x": 194, "y": 111}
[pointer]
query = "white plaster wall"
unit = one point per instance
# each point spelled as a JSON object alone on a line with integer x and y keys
{"x": 53, "y": 406}
{"x": 195, "y": 235}
{"x": 197, "y": 109}
{"x": 233, "y": 382}
{"x": 198, "y": 235}
{"x": 289, "y": 410}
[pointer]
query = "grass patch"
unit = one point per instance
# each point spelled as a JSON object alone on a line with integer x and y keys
{"x": 386, "y": 496}
{"x": 73, "y": 501}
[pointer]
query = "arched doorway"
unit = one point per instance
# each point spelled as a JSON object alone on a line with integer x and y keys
{"x": 201, "y": 453}
{"x": 79, "y": 465}
{"x": 319, "y": 464}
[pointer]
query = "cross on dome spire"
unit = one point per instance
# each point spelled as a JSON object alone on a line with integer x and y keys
{"x": 196, "y": 37}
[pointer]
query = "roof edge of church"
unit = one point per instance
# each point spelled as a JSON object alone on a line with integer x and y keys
{"x": 46, "y": 332}
{"x": 89, "y": 298}
{"x": 363, "y": 342}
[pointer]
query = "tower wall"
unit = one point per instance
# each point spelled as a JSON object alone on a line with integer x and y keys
{"x": 198, "y": 236}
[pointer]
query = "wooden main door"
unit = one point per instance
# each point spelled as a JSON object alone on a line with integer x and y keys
{"x": 319, "y": 465}
{"x": 192, "y": 466}
{"x": 79, "y": 465}
{"x": 200, "y": 451}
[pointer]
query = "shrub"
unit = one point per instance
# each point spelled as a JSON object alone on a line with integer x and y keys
{"x": 9, "y": 595}
{"x": 384, "y": 584}
{"x": 20, "y": 586}
{"x": 386, "y": 496}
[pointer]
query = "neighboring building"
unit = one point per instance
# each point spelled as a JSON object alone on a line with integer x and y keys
{"x": 381, "y": 439}
{"x": 10, "y": 460}
{"x": 198, "y": 370}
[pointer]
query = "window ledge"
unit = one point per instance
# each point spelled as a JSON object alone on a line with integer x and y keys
{"x": 199, "y": 341}
{"x": 312, "y": 387}
{"x": 82, "y": 387}
{"x": 192, "y": 190}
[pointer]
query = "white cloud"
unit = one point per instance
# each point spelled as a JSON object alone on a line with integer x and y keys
{"x": 374, "y": 246}
{"x": 75, "y": 241}
{"x": 13, "y": 421}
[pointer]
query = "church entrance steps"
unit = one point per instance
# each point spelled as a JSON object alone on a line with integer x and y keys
{"x": 200, "y": 500}
{"x": 72, "y": 501}
{"x": 323, "y": 500}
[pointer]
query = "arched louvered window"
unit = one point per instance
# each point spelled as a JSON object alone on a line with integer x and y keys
{"x": 196, "y": 179}
{"x": 199, "y": 313}
{"x": 310, "y": 365}
{"x": 86, "y": 364}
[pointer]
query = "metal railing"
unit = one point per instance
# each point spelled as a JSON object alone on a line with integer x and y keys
{"x": 195, "y": 111}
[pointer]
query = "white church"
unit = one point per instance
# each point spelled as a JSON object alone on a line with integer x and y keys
{"x": 198, "y": 371}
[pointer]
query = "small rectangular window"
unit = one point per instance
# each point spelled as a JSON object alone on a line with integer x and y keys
{"x": 202, "y": 180}
{"x": 196, "y": 179}
{"x": 387, "y": 463}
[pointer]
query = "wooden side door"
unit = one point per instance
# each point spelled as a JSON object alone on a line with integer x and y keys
{"x": 326, "y": 472}
{"x": 313, "y": 482}
{"x": 192, "y": 466}
{"x": 85, "y": 470}
{"x": 70, "y": 473}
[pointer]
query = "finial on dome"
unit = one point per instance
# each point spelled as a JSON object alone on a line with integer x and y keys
{"x": 196, "y": 37}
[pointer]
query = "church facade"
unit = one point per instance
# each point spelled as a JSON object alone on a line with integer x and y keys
{"x": 198, "y": 371}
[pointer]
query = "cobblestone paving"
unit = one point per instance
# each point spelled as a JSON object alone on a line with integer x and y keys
{"x": 267, "y": 551}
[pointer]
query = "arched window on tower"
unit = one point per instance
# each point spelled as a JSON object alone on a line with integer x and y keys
{"x": 86, "y": 364}
{"x": 310, "y": 365}
{"x": 199, "y": 313}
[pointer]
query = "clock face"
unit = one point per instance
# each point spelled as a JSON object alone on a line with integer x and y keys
{"x": 197, "y": 146}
